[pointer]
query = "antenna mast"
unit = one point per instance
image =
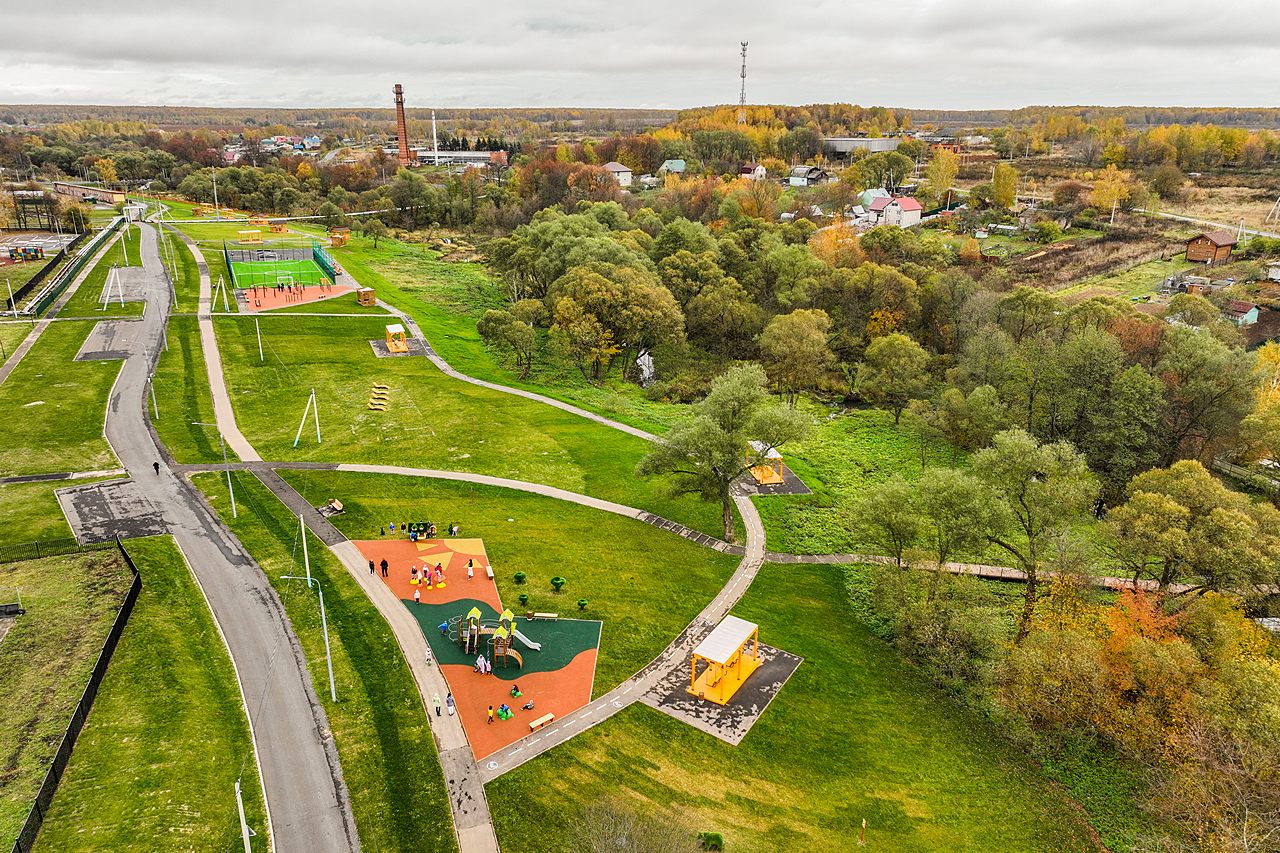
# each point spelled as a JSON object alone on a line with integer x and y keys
{"x": 742, "y": 94}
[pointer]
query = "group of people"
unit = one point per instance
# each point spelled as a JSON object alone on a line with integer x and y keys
{"x": 448, "y": 701}
{"x": 504, "y": 710}
{"x": 417, "y": 532}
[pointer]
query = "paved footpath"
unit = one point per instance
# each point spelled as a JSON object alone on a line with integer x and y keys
{"x": 308, "y": 808}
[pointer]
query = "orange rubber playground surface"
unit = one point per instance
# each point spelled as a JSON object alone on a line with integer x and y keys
{"x": 557, "y": 678}
{"x": 266, "y": 297}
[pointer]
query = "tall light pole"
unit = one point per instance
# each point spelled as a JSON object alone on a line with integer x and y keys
{"x": 217, "y": 215}
{"x": 324, "y": 625}
{"x": 230, "y": 489}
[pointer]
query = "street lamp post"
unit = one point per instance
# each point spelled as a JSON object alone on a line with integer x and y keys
{"x": 324, "y": 627}
{"x": 230, "y": 489}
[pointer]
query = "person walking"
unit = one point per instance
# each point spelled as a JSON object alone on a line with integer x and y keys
{"x": 435, "y": 700}
{"x": 384, "y": 568}
{"x": 491, "y": 714}
{"x": 449, "y": 703}
{"x": 417, "y": 596}
{"x": 156, "y": 465}
{"x": 371, "y": 567}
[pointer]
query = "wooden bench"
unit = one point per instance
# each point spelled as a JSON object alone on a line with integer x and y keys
{"x": 544, "y": 616}
{"x": 541, "y": 721}
{"x": 488, "y": 570}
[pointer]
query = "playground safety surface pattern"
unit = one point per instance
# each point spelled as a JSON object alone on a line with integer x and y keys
{"x": 265, "y": 298}
{"x": 558, "y": 679}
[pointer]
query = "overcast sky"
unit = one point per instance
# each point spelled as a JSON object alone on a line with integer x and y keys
{"x": 958, "y": 54}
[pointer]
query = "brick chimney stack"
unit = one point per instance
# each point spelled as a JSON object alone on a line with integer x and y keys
{"x": 402, "y": 128}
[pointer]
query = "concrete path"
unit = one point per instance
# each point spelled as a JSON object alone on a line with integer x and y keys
{"x": 223, "y": 414}
{"x": 64, "y": 475}
{"x": 298, "y": 762}
{"x": 51, "y": 315}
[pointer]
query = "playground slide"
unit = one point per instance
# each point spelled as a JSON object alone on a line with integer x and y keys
{"x": 537, "y": 647}
{"x": 512, "y": 653}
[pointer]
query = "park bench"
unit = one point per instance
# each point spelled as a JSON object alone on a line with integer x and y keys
{"x": 541, "y": 721}
{"x": 544, "y": 616}
{"x": 488, "y": 570}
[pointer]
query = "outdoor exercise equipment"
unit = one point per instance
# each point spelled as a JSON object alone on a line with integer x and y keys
{"x": 727, "y": 664}
{"x": 378, "y": 398}
{"x": 397, "y": 338}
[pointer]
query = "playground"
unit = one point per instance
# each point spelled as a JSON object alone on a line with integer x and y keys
{"x": 280, "y": 273}
{"x": 551, "y": 660}
{"x": 265, "y": 297}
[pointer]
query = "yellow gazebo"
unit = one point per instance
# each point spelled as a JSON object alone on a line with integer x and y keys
{"x": 397, "y": 338}
{"x": 766, "y": 463}
{"x": 251, "y": 235}
{"x": 727, "y": 663}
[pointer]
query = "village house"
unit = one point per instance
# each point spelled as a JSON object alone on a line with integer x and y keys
{"x": 620, "y": 173}
{"x": 1241, "y": 313}
{"x": 1211, "y": 247}
{"x": 1273, "y": 271}
{"x": 806, "y": 176}
{"x": 901, "y": 211}
{"x": 671, "y": 167}
{"x": 754, "y": 171}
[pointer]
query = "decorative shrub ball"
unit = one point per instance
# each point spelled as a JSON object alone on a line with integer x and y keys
{"x": 520, "y": 576}
{"x": 524, "y": 598}
{"x": 558, "y": 581}
{"x": 582, "y": 604}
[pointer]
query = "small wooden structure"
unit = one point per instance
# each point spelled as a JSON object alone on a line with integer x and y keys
{"x": 367, "y": 297}
{"x": 765, "y": 463}
{"x": 727, "y": 663}
{"x": 279, "y": 227}
{"x": 252, "y": 235}
{"x": 1211, "y": 247}
{"x": 258, "y": 220}
{"x": 337, "y": 241}
{"x": 397, "y": 338}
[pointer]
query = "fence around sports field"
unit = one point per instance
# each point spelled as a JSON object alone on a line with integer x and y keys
{"x": 49, "y": 267}
{"x": 64, "y": 277}
{"x": 35, "y": 817}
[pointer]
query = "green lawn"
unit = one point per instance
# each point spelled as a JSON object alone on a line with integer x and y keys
{"x": 643, "y": 583}
{"x": 446, "y": 299}
{"x": 1140, "y": 280}
{"x": 182, "y": 390}
{"x": 45, "y": 662}
{"x": 12, "y": 334}
{"x": 29, "y": 512}
{"x": 385, "y": 745}
{"x": 840, "y": 460}
{"x": 87, "y": 300}
{"x": 157, "y": 762}
{"x": 187, "y": 280}
{"x": 856, "y": 733}
{"x": 54, "y": 407}
{"x": 16, "y": 275}
{"x": 432, "y": 422}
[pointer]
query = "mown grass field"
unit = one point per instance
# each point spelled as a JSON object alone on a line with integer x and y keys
{"x": 841, "y": 459}
{"x": 45, "y": 662}
{"x": 12, "y": 334}
{"x": 55, "y": 407}
{"x": 446, "y": 299}
{"x": 182, "y": 389}
{"x": 856, "y": 733}
{"x": 384, "y": 742}
{"x": 432, "y": 422}
{"x": 29, "y": 512}
{"x": 156, "y": 764}
{"x": 1140, "y": 280}
{"x": 87, "y": 300}
{"x": 645, "y": 584}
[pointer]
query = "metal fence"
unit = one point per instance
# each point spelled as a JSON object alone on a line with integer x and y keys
{"x": 35, "y": 281}
{"x": 35, "y": 817}
{"x": 65, "y": 275}
{"x": 45, "y": 548}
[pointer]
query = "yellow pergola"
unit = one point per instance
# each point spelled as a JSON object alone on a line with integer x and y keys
{"x": 397, "y": 338}
{"x": 727, "y": 664}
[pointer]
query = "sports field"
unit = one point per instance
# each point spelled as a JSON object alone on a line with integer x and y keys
{"x": 249, "y": 273}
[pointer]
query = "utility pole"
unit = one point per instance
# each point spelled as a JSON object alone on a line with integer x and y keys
{"x": 324, "y": 622}
{"x": 742, "y": 93}
{"x": 217, "y": 214}
{"x": 435, "y": 141}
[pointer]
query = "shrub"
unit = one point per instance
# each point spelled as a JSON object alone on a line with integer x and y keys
{"x": 582, "y": 604}
{"x": 711, "y": 841}
{"x": 520, "y": 576}
{"x": 524, "y": 598}
{"x": 558, "y": 581}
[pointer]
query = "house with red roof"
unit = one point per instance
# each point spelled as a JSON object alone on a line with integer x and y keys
{"x": 902, "y": 211}
{"x": 1211, "y": 247}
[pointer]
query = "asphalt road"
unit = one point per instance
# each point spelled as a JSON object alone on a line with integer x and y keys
{"x": 306, "y": 796}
